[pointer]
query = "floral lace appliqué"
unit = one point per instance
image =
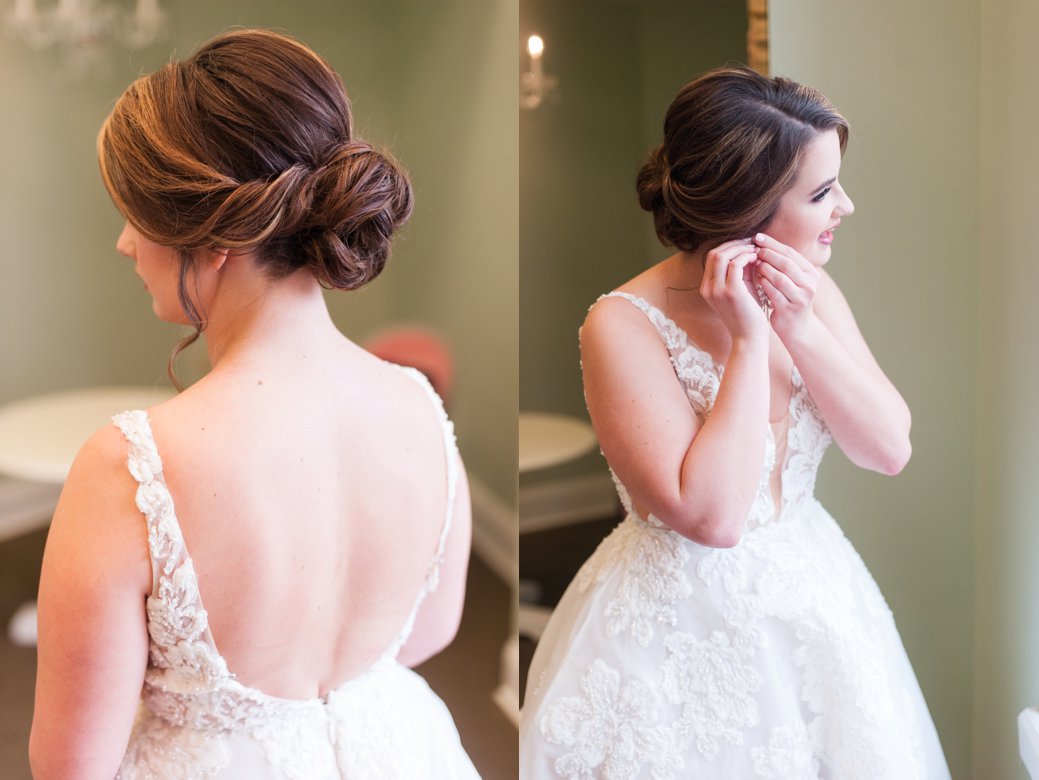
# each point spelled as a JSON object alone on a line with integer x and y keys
{"x": 716, "y": 687}
{"x": 608, "y": 729}
{"x": 651, "y": 565}
{"x": 787, "y": 756}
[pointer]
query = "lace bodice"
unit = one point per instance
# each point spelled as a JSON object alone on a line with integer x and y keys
{"x": 193, "y": 707}
{"x": 789, "y": 470}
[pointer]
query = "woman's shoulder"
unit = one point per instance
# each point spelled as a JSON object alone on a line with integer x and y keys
{"x": 645, "y": 290}
{"x": 97, "y": 514}
{"x": 103, "y": 459}
{"x": 628, "y": 307}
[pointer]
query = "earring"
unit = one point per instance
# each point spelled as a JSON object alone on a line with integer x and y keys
{"x": 763, "y": 300}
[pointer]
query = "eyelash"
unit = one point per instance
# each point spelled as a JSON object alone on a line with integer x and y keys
{"x": 821, "y": 195}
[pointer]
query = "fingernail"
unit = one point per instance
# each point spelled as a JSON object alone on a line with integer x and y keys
{"x": 759, "y": 237}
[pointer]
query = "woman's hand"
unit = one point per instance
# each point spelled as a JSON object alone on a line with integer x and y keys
{"x": 728, "y": 288}
{"x": 789, "y": 281}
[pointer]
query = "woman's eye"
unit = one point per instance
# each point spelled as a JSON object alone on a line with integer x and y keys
{"x": 822, "y": 194}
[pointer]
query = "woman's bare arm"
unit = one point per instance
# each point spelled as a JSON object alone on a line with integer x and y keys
{"x": 93, "y": 637}
{"x": 864, "y": 411}
{"x": 698, "y": 479}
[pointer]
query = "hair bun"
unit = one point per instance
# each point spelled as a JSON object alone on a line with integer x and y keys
{"x": 356, "y": 200}
{"x": 246, "y": 145}
{"x": 650, "y": 181}
{"x": 656, "y": 194}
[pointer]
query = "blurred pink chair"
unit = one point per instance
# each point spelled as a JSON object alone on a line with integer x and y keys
{"x": 418, "y": 347}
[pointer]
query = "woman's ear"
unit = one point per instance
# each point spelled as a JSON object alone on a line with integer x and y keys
{"x": 215, "y": 258}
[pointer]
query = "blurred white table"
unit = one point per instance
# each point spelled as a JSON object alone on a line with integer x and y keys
{"x": 39, "y": 439}
{"x": 40, "y": 436}
{"x": 546, "y": 440}
{"x": 551, "y": 439}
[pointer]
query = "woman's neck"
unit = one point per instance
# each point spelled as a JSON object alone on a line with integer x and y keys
{"x": 687, "y": 269}
{"x": 253, "y": 320}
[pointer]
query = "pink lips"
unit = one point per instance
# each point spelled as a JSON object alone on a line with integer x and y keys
{"x": 826, "y": 237}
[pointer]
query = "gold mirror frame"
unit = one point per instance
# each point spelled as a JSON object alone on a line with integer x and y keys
{"x": 757, "y": 35}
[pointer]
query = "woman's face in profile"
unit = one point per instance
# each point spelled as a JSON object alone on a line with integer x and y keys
{"x": 812, "y": 208}
{"x": 159, "y": 269}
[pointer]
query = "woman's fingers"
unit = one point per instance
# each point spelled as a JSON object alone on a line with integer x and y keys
{"x": 777, "y": 279}
{"x": 775, "y": 295}
{"x": 725, "y": 252}
{"x": 787, "y": 266}
{"x": 718, "y": 260}
{"x": 787, "y": 257}
{"x": 765, "y": 241}
{"x": 738, "y": 265}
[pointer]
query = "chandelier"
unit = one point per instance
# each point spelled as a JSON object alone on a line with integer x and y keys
{"x": 82, "y": 29}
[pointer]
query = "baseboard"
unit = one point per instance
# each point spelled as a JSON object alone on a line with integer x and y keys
{"x": 496, "y": 543}
{"x": 506, "y": 696}
{"x": 495, "y": 538}
{"x": 566, "y": 501}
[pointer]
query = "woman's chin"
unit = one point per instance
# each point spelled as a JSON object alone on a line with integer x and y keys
{"x": 161, "y": 313}
{"x": 821, "y": 256}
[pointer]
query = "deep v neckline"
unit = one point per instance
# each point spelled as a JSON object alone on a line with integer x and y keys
{"x": 778, "y": 433}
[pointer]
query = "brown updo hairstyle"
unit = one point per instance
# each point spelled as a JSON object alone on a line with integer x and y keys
{"x": 248, "y": 144}
{"x": 732, "y": 143}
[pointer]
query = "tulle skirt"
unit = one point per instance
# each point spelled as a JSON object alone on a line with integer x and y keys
{"x": 777, "y": 658}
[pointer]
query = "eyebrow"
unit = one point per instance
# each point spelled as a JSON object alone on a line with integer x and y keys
{"x": 824, "y": 185}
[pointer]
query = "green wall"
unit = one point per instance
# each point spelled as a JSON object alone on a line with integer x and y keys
{"x": 582, "y": 232}
{"x": 1006, "y": 637}
{"x": 942, "y": 167}
{"x": 906, "y": 76}
{"x": 433, "y": 81}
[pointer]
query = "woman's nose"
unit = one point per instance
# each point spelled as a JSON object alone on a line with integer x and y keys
{"x": 844, "y": 204}
{"x": 124, "y": 245}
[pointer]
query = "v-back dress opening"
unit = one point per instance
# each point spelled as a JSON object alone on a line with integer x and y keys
{"x": 196, "y": 720}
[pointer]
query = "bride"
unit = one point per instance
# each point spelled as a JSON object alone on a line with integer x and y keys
{"x": 727, "y": 628}
{"x": 256, "y": 561}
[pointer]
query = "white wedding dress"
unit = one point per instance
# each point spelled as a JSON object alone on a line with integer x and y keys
{"x": 777, "y": 658}
{"x": 197, "y": 721}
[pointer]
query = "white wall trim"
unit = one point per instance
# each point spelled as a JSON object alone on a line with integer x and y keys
{"x": 495, "y": 538}
{"x": 566, "y": 501}
{"x": 1028, "y": 740}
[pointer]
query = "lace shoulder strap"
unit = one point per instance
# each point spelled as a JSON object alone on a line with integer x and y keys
{"x": 673, "y": 336}
{"x": 165, "y": 541}
{"x": 451, "y": 458}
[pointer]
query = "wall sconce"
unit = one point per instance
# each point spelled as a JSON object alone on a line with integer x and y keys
{"x": 81, "y": 29}
{"x": 535, "y": 85}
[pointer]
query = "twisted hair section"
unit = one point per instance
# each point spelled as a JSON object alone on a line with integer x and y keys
{"x": 732, "y": 144}
{"x": 248, "y": 145}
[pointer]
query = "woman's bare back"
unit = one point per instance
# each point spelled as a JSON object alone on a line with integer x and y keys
{"x": 311, "y": 499}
